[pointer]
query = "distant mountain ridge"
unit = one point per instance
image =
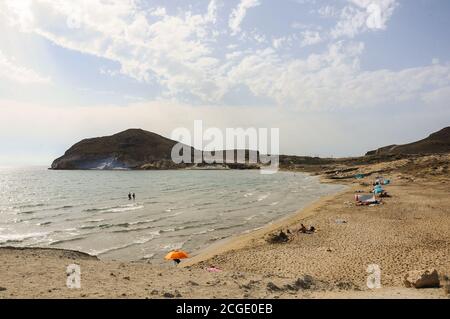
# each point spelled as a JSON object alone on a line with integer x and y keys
{"x": 438, "y": 142}
{"x": 139, "y": 149}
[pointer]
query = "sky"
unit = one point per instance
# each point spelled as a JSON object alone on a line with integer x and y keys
{"x": 338, "y": 78}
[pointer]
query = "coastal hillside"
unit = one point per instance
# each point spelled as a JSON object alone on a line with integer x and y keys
{"x": 438, "y": 142}
{"x": 128, "y": 149}
{"x": 140, "y": 149}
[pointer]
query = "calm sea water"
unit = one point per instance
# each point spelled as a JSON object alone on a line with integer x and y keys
{"x": 89, "y": 211}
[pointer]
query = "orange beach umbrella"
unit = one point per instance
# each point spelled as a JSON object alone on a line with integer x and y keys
{"x": 176, "y": 254}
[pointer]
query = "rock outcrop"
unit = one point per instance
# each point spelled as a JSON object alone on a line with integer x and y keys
{"x": 130, "y": 149}
{"x": 438, "y": 142}
{"x": 139, "y": 149}
{"x": 422, "y": 279}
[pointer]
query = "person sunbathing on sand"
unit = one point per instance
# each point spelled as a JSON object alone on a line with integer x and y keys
{"x": 302, "y": 229}
{"x": 305, "y": 230}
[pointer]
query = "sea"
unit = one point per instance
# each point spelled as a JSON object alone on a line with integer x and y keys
{"x": 90, "y": 211}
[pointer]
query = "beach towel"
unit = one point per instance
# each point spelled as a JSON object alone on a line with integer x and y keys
{"x": 378, "y": 190}
{"x": 365, "y": 198}
{"x": 213, "y": 269}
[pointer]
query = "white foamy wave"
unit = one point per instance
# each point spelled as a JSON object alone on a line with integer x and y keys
{"x": 138, "y": 241}
{"x": 121, "y": 209}
{"x": 274, "y": 203}
{"x": 7, "y": 238}
{"x": 43, "y": 223}
{"x": 204, "y": 231}
{"x": 248, "y": 194}
{"x": 173, "y": 246}
{"x": 115, "y": 209}
{"x": 263, "y": 197}
{"x": 250, "y": 217}
{"x": 95, "y": 220}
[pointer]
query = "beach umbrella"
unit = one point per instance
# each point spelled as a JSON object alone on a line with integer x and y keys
{"x": 176, "y": 254}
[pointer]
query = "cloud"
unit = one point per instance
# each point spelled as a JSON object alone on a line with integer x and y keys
{"x": 238, "y": 14}
{"x": 437, "y": 98}
{"x": 12, "y": 71}
{"x": 363, "y": 15}
{"x": 310, "y": 38}
{"x": 327, "y": 11}
{"x": 179, "y": 53}
{"x": 334, "y": 79}
{"x": 172, "y": 50}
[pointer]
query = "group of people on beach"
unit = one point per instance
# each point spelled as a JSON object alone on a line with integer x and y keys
{"x": 284, "y": 237}
{"x": 131, "y": 196}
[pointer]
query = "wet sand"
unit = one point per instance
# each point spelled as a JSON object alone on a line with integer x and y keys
{"x": 409, "y": 231}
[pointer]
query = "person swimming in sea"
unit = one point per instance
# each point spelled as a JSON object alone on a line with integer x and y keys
{"x": 129, "y": 196}
{"x": 134, "y": 196}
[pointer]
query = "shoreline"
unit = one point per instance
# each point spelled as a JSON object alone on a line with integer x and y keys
{"x": 239, "y": 241}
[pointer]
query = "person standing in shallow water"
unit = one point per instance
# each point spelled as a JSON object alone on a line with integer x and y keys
{"x": 129, "y": 196}
{"x": 134, "y": 196}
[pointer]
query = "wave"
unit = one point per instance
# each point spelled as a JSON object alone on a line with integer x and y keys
{"x": 148, "y": 256}
{"x": 95, "y": 220}
{"x": 18, "y": 238}
{"x": 202, "y": 232}
{"x": 173, "y": 246}
{"x": 230, "y": 226}
{"x": 274, "y": 203}
{"x": 250, "y": 217}
{"x": 28, "y": 206}
{"x": 115, "y": 209}
{"x": 121, "y": 225}
{"x": 28, "y": 212}
{"x": 130, "y": 230}
{"x": 44, "y": 223}
{"x": 64, "y": 207}
{"x": 68, "y": 240}
{"x": 139, "y": 241}
{"x": 217, "y": 238}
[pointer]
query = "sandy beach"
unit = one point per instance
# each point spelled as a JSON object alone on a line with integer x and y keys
{"x": 409, "y": 231}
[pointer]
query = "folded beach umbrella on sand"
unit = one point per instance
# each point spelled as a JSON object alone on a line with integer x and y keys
{"x": 176, "y": 254}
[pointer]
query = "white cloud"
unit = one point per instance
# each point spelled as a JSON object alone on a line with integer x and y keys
{"x": 310, "y": 38}
{"x": 212, "y": 11}
{"x": 437, "y": 98}
{"x": 12, "y": 71}
{"x": 173, "y": 50}
{"x": 327, "y": 11}
{"x": 177, "y": 52}
{"x": 159, "y": 12}
{"x": 363, "y": 15}
{"x": 333, "y": 79}
{"x": 238, "y": 14}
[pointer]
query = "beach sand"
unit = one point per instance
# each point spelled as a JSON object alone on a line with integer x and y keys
{"x": 409, "y": 231}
